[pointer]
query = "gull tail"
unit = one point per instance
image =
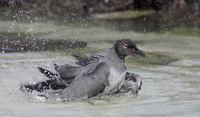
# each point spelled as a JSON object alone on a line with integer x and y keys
{"x": 48, "y": 73}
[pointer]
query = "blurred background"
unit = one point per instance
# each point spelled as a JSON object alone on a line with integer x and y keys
{"x": 172, "y": 13}
{"x": 42, "y": 32}
{"x": 77, "y": 19}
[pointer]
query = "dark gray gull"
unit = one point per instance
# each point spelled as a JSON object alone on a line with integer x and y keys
{"x": 105, "y": 74}
{"x": 132, "y": 83}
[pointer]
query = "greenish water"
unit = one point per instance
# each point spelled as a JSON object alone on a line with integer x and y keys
{"x": 170, "y": 73}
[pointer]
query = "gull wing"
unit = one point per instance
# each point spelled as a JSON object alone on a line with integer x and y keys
{"x": 132, "y": 83}
{"x": 82, "y": 61}
{"x": 86, "y": 84}
{"x": 67, "y": 72}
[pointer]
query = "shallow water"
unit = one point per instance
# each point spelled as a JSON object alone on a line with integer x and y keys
{"x": 171, "y": 90}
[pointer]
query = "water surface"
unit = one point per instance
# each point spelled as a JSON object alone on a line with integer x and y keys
{"x": 170, "y": 90}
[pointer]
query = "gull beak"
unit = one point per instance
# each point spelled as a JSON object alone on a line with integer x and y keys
{"x": 139, "y": 52}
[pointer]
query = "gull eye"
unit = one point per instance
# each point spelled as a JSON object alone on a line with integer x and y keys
{"x": 125, "y": 46}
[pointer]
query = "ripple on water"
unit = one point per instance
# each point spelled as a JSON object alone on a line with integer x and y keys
{"x": 187, "y": 62}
